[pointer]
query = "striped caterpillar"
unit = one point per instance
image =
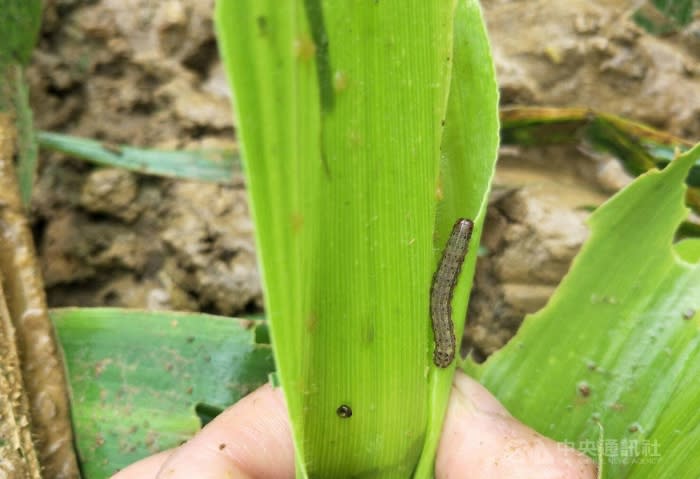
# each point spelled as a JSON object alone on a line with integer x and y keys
{"x": 442, "y": 289}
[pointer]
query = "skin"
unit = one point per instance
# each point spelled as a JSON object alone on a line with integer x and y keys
{"x": 480, "y": 440}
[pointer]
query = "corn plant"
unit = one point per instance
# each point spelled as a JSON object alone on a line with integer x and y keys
{"x": 368, "y": 130}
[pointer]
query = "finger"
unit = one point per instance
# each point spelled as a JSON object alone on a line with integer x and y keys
{"x": 252, "y": 439}
{"x": 481, "y": 440}
{"x": 146, "y": 468}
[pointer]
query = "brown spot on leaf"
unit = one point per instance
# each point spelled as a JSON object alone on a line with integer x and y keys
{"x": 584, "y": 389}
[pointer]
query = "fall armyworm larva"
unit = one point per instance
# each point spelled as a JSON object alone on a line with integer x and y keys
{"x": 442, "y": 290}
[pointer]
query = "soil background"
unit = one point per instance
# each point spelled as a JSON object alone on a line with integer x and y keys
{"x": 146, "y": 73}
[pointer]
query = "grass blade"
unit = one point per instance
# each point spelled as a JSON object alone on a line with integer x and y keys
{"x": 204, "y": 165}
{"x": 27, "y": 150}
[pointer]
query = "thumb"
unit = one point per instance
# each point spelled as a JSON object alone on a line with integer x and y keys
{"x": 482, "y": 440}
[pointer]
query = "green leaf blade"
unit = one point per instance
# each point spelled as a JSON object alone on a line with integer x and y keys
{"x": 203, "y": 165}
{"x": 137, "y": 376}
{"x": 614, "y": 345}
{"x": 19, "y": 24}
{"x": 469, "y": 150}
{"x": 340, "y": 118}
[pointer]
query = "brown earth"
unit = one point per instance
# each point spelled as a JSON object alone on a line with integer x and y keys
{"x": 147, "y": 74}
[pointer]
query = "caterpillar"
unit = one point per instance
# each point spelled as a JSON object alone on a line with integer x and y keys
{"x": 442, "y": 290}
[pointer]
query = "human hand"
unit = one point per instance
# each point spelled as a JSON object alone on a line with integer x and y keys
{"x": 252, "y": 439}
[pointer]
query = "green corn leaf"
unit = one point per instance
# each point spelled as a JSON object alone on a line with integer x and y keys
{"x": 469, "y": 150}
{"x": 618, "y": 344}
{"x": 140, "y": 379}
{"x": 340, "y": 108}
